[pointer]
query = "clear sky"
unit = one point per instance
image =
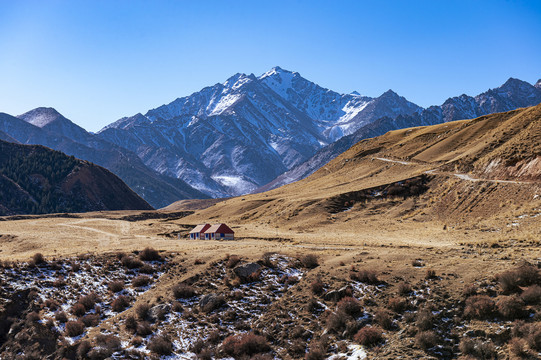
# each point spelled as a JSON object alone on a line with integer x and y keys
{"x": 96, "y": 61}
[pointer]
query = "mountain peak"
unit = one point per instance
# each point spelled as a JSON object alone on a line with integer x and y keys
{"x": 239, "y": 79}
{"x": 41, "y": 116}
{"x": 355, "y": 92}
{"x": 389, "y": 93}
{"x": 277, "y": 71}
{"x": 538, "y": 84}
{"x": 514, "y": 83}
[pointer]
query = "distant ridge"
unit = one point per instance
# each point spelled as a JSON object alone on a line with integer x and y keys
{"x": 37, "y": 180}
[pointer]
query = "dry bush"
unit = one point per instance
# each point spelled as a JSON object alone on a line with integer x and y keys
{"x": 511, "y": 307}
{"x": 245, "y": 345}
{"x": 89, "y": 301}
{"x": 142, "y": 310}
{"x": 160, "y": 345}
{"x": 108, "y": 341}
{"x": 51, "y": 304}
{"x": 523, "y": 275}
{"x": 530, "y": 332}
{"x": 430, "y": 274}
{"x": 205, "y": 354}
{"x": 141, "y": 281}
{"x": 317, "y": 286}
{"x": 147, "y": 269}
{"x": 78, "y": 309}
{"x": 83, "y": 349}
{"x": 116, "y": 286}
{"x": 150, "y": 254}
{"x": 365, "y": 276}
{"x": 232, "y": 261}
{"x": 131, "y": 263}
{"x": 426, "y": 339}
{"x": 336, "y": 322}
{"x": 369, "y": 336}
{"x": 177, "y": 307}
{"x": 198, "y": 262}
{"x": 33, "y": 317}
{"x": 519, "y": 348}
{"x": 60, "y": 282}
{"x": 309, "y": 261}
{"x": 469, "y": 290}
{"x": 404, "y": 289}
{"x": 313, "y": 306}
{"x": 131, "y": 323}
{"x": 398, "y": 305}
{"x": 532, "y": 295}
{"x": 383, "y": 319}
{"x": 183, "y": 291}
{"x": 350, "y": 306}
{"x": 424, "y": 319}
{"x": 75, "y": 328}
{"x": 61, "y": 317}
{"x": 144, "y": 329}
{"x": 266, "y": 260}
{"x": 38, "y": 259}
{"x": 297, "y": 349}
{"x": 479, "y": 307}
{"x": 91, "y": 320}
{"x": 477, "y": 349}
{"x": 316, "y": 351}
{"x": 75, "y": 266}
{"x": 120, "y": 303}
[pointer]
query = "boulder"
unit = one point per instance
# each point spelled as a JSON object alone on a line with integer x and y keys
{"x": 247, "y": 270}
{"x": 158, "y": 312}
{"x": 336, "y": 295}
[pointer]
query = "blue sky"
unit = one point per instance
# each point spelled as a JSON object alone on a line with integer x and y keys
{"x": 96, "y": 61}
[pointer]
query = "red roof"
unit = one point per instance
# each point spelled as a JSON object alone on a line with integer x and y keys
{"x": 200, "y": 228}
{"x": 219, "y": 228}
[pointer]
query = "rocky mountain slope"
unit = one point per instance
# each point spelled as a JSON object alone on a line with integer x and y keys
{"x": 230, "y": 138}
{"x": 36, "y": 179}
{"x": 45, "y": 126}
{"x": 513, "y": 94}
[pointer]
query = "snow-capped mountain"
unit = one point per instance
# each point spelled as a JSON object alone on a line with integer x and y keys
{"x": 231, "y": 138}
{"x": 511, "y": 95}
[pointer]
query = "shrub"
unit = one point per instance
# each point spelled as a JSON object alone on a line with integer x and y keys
{"x": 369, "y": 336}
{"x": 532, "y": 295}
{"x": 160, "y": 345}
{"x": 141, "y": 281}
{"x": 245, "y": 345}
{"x": 131, "y": 323}
{"x": 469, "y": 290}
{"x": 144, "y": 329}
{"x": 309, "y": 261}
{"x": 147, "y": 269}
{"x": 78, "y": 309}
{"x": 426, "y": 339}
{"x": 33, "y": 317}
{"x": 316, "y": 352}
{"x": 177, "y": 306}
{"x": 149, "y": 254}
{"x": 336, "y": 322}
{"x": 142, "y": 310}
{"x": 350, "y": 306}
{"x": 131, "y": 263}
{"x": 519, "y": 348}
{"x": 232, "y": 261}
{"x": 425, "y": 319}
{"x": 430, "y": 274}
{"x": 120, "y": 303}
{"x": 524, "y": 275}
{"x": 60, "y": 282}
{"x": 383, "y": 319}
{"x": 75, "y": 328}
{"x": 317, "y": 287}
{"x": 266, "y": 260}
{"x": 83, "y": 349}
{"x": 477, "y": 349}
{"x": 109, "y": 341}
{"x": 397, "y": 305}
{"x": 183, "y": 291}
{"x": 511, "y": 307}
{"x": 479, "y": 307}
{"x": 116, "y": 286}
{"x": 38, "y": 259}
{"x": 365, "y": 276}
{"x": 61, "y": 317}
{"x": 404, "y": 289}
{"x": 89, "y": 301}
{"x": 91, "y": 320}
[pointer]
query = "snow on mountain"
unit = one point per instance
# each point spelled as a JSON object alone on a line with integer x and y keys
{"x": 231, "y": 138}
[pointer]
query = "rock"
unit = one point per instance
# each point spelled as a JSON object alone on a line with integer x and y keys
{"x": 211, "y": 302}
{"x": 336, "y": 295}
{"x": 247, "y": 270}
{"x": 158, "y": 312}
